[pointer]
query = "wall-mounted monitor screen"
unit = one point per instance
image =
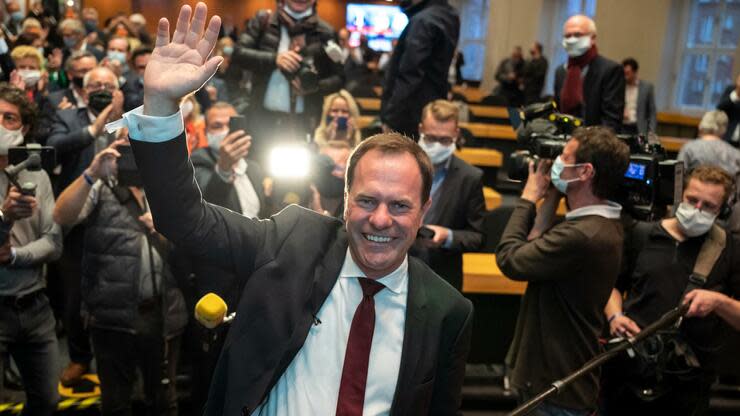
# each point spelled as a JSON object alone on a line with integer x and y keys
{"x": 380, "y": 24}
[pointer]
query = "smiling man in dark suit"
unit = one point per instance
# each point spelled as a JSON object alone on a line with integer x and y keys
{"x": 456, "y": 213}
{"x": 589, "y": 85}
{"x": 303, "y": 342}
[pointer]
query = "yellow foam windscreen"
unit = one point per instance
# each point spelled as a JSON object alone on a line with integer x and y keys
{"x": 210, "y": 310}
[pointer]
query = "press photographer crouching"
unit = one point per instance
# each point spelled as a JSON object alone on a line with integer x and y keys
{"x": 570, "y": 267}
{"x": 31, "y": 239}
{"x": 130, "y": 301}
{"x": 671, "y": 373}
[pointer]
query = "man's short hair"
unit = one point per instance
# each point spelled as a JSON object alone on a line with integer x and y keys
{"x": 86, "y": 78}
{"x": 714, "y": 175}
{"x": 632, "y": 63}
{"x": 219, "y": 105}
{"x": 143, "y": 50}
{"x": 441, "y": 110}
{"x": 393, "y": 143}
{"x": 128, "y": 45}
{"x": 18, "y": 98}
{"x": 608, "y": 155}
{"x": 76, "y": 56}
{"x": 713, "y": 122}
{"x": 538, "y": 46}
{"x": 74, "y": 25}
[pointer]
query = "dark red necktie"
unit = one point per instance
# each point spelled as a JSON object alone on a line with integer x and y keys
{"x": 356, "y": 359}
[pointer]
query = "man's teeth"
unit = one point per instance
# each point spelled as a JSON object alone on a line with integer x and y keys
{"x": 377, "y": 238}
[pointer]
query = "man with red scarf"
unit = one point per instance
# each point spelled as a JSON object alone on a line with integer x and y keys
{"x": 588, "y": 85}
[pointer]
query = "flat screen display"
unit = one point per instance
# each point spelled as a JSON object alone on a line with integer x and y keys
{"x": 379, "y": 23}
{"x": 636, "y": 171}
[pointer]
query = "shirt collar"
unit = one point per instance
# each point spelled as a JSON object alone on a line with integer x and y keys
{"x": 394, "y": 281}
{"x": 610, "y": 210}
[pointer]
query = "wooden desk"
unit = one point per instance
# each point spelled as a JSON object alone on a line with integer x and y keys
{"x": 365, "y": 121}
{"x": 482, "y": 275}
{"x": 680, "y": 119}
{"x": 490, "y": 131}
{"x": 368, "y": 104}
{"x": 492, "y": 198}
{"x": 489, "y": 111}
{"x": 473, "y": 95}
{"x": 673, "y": 144}
{"x": 481, "y": 157}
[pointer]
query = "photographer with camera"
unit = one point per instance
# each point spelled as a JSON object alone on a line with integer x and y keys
{"x": 225, "y": 175}
{"x": 27, "y": 324}
{"x": 672, "y": 371}
{"x": 286, "y": 50}
{"x": 570, "y": 267}
{"x": 131, "y": 303}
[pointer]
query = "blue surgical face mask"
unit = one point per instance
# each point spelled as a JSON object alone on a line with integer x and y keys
{"x": 437, "y": 152}
{"x": 120, "y": 57}
{"x": 70, "y": 41}
{"x": 557, "y": 168}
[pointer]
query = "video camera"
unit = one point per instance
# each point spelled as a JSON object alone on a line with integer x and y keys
{"x": 32, "y": 157}
{"x": 652, "y": 182}
{"x": 543, "y": 134}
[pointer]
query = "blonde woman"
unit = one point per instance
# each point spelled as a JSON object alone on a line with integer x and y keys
{"x": 339, "y": 120}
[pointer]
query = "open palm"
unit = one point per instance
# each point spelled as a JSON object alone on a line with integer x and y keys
{"x": 181, "y": 66}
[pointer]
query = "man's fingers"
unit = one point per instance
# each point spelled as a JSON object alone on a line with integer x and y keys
{"x": 197, "y": 25}
{"x": 163, "y": 33}
{"x": 206, "y": 45}
{"x": 209, "y": 68}
{"x": 183, "y": 24}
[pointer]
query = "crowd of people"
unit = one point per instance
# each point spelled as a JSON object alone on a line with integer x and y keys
{"x": 116, "y": 243}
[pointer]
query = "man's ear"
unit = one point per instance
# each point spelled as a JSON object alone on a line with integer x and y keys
{"x": 425, "y": 207}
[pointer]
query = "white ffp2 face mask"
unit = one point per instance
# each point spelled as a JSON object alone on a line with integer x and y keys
{"x": 8, "y": 139}
{"x": 577, "y": 46}
{"x": 693, "y": 221}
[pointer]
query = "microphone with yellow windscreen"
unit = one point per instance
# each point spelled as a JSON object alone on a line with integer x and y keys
{"x": 211, "y": 311}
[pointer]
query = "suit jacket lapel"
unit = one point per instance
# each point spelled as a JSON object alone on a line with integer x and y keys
{"x": 413, "y": 340}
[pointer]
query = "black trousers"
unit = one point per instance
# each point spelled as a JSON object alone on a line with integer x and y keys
{"x": 118, "y": 354}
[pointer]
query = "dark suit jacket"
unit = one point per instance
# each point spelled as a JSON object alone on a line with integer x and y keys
{"x": 218, "y": 192}
{"x": 646, "y": 114}
{"x": 287, "y": 266}
{"x": 603, "y": 93}
{"x": 459, "y": 206}
{"x": 733, "y": 113}
{"x": 73, "y": 142}
{"x": 48, "y": 108}
{"x": 133, "y": 91}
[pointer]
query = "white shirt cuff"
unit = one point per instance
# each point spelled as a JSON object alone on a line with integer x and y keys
{"x": 734, "y": 97}
{"x": 148, "y": 128}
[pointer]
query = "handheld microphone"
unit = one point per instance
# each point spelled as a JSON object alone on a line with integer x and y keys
{"x": 211, "y": 311}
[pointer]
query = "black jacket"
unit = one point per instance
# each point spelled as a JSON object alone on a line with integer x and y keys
{"x": 218, "y": 192}
{"x": 111, "y": 266}
{"x": 459, "y": 206}
{"x": 419, "y": 66}
{"x": 287, "y": 267}
{"x": 257, "y": 49}
{"x": 75, "y": 146}
{"x": 733, "y": 113}
{"x": 603, "y": 93}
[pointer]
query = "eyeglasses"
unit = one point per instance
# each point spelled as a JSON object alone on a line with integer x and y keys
{"x": 97, "y": 86}
{"x": 443, "y": 140}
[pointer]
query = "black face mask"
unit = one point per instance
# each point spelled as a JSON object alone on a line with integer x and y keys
{"x": 98, "y": 100}
{"x": 78, "y": 81}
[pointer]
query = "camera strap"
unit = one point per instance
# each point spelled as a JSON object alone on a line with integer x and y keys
{"x": 711, "y": 249}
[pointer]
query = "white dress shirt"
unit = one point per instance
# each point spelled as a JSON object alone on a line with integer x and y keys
{"x": 630, "y": 104}
{"x": 310, "y": 384}
{"x": 248, "y": 199}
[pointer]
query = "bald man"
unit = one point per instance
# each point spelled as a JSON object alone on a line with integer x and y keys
{"x": 588, "y": 85}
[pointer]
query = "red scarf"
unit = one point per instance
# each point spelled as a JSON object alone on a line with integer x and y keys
{"x": 571, "y": 96}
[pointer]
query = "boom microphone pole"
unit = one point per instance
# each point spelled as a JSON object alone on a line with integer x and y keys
{"x": 665, "y": 321}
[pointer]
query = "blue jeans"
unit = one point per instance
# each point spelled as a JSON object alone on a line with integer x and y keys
{"x": 27, "y": 334}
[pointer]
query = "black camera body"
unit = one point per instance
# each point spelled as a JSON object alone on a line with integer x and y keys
{"x": 651, "y": 182}
{"x": 543, "y": 134}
